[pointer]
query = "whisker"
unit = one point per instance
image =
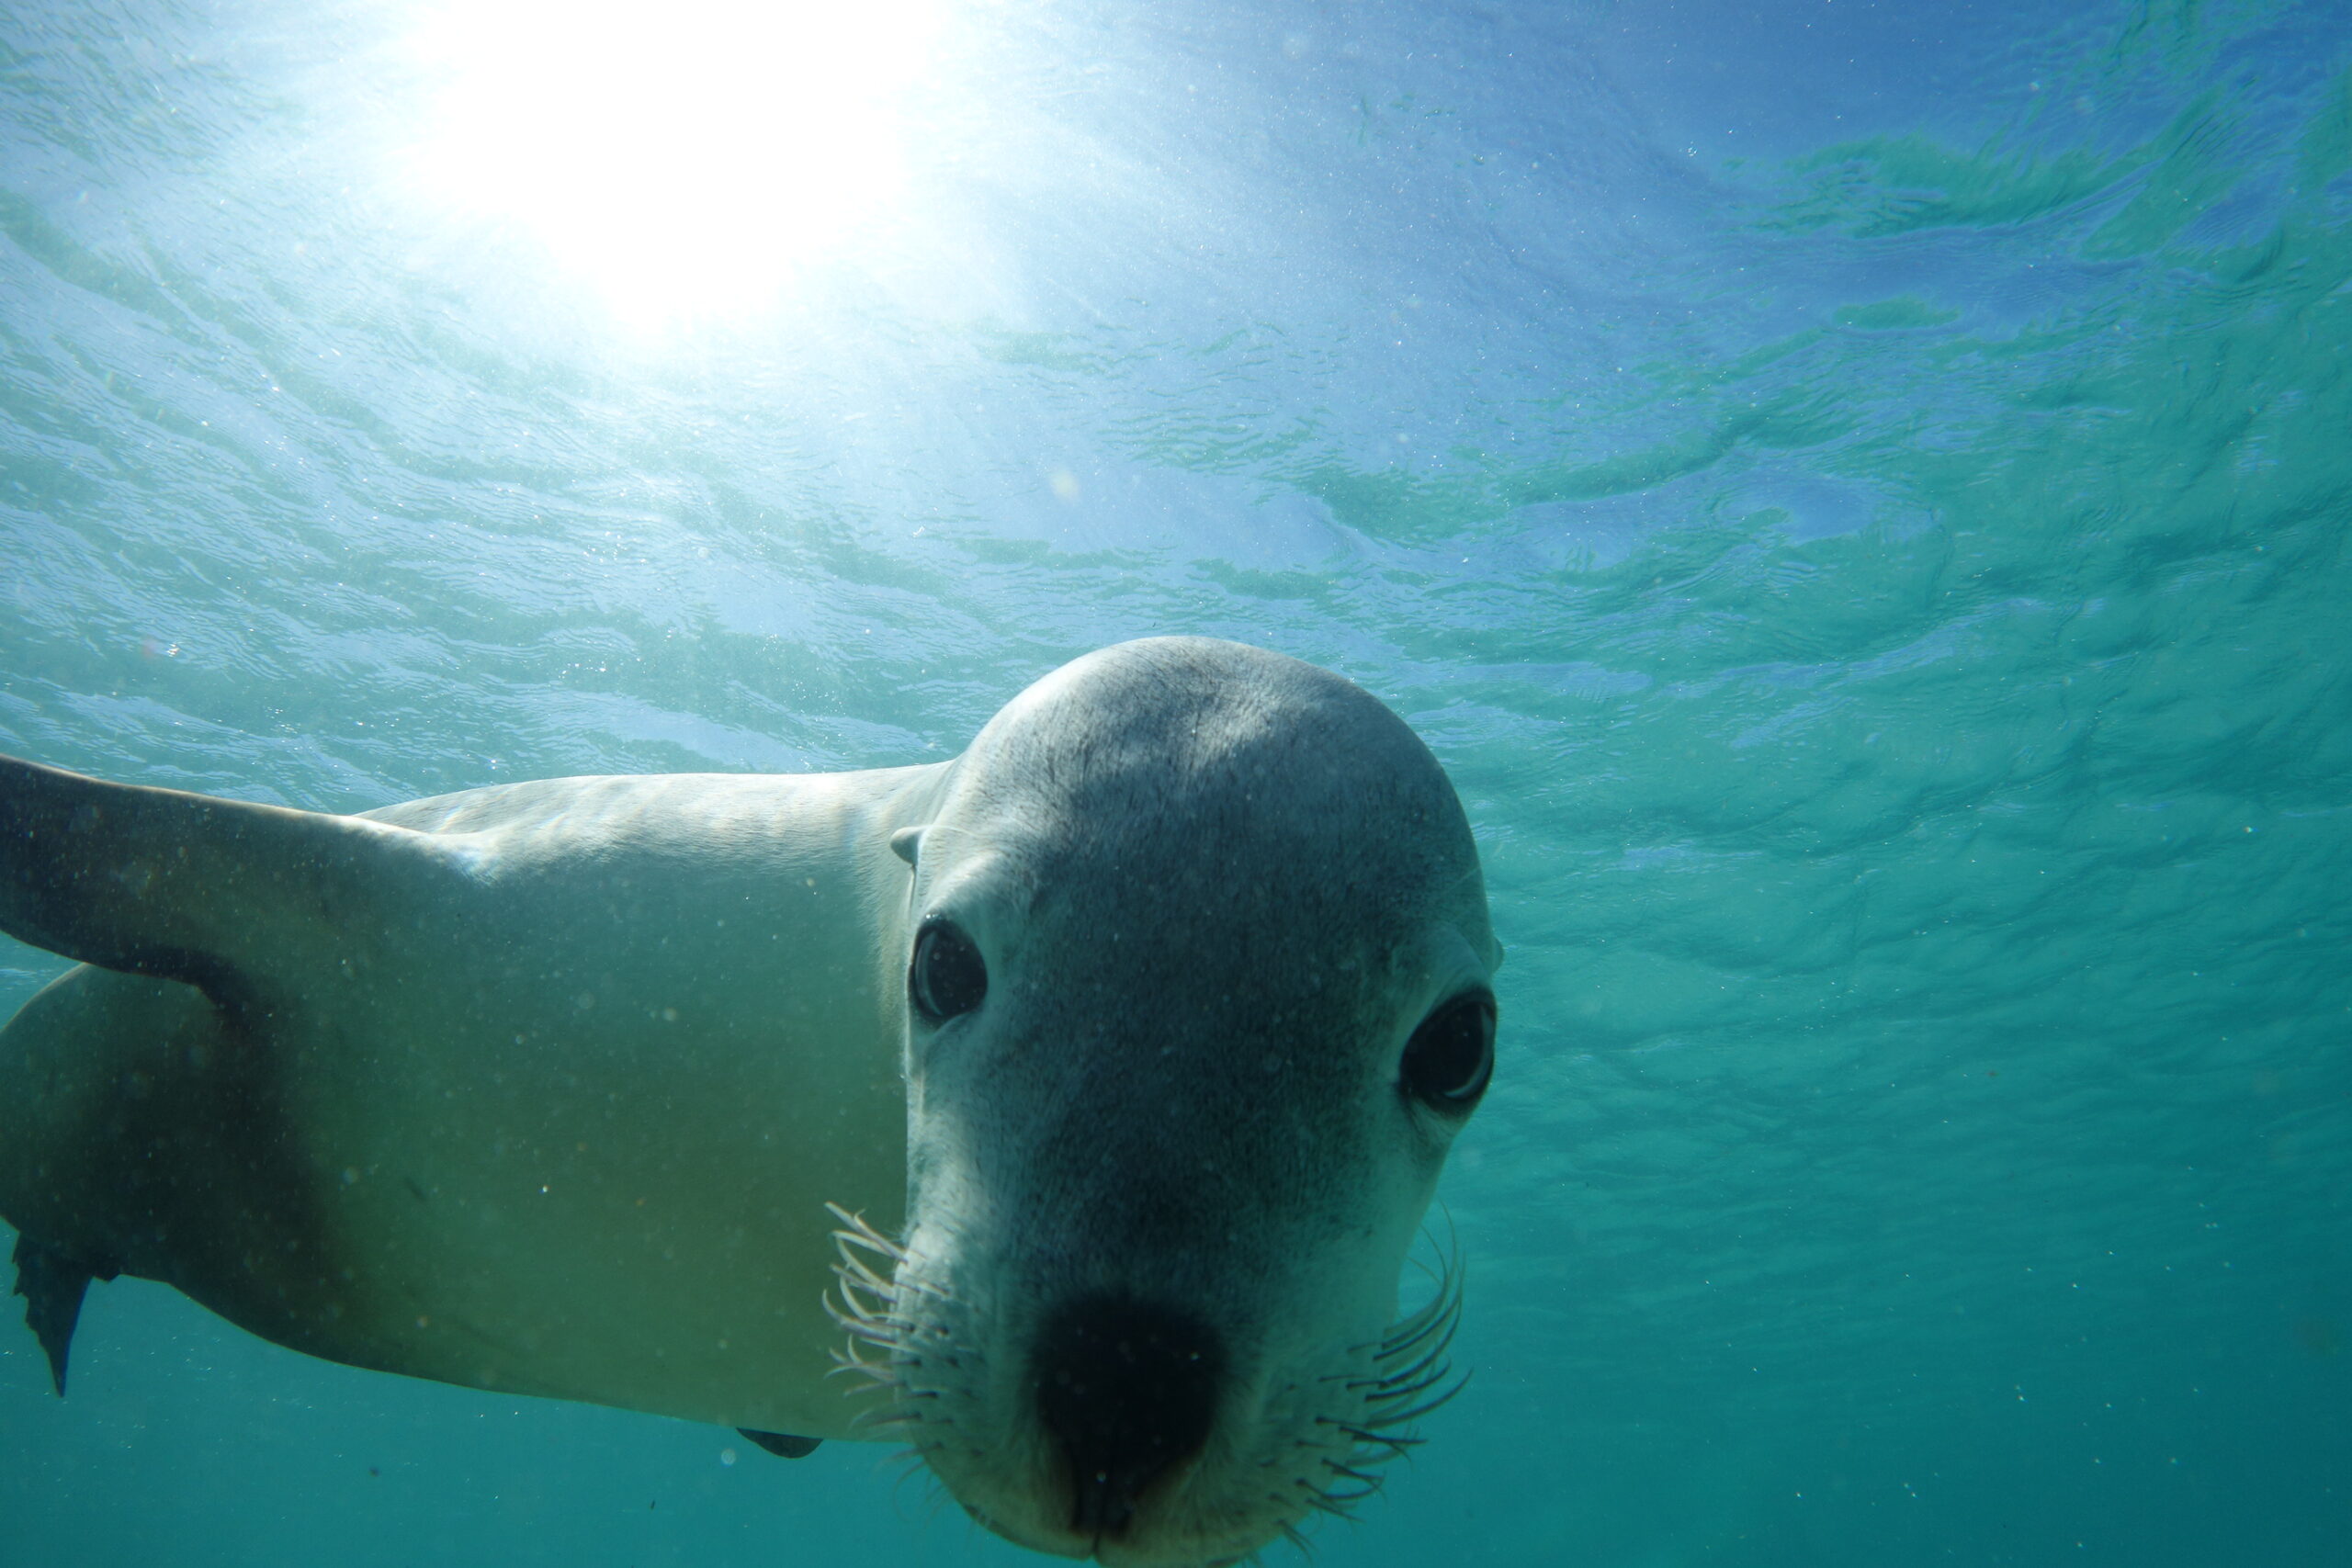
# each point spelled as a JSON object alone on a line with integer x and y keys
{"x": 1415, "y": 1413}
{"x": 890, "y": 1416}
{"x": 1378, "y": 1451}
{"x": 1407, "y": 1335}
{"x": 1441, "y": 1315}
{"x": 876, "y": 1376}
{"x": 1366, "y": 1434}
{"x": 1436, "y": 1375}
{"x": 883, "y": 1334}
{"x": 858, "y": 1233}
{"x": 1419, "y": 1367}
{"x": 1446, "y": 1302}
{"x": 854, "y": 1272}
{"x": 857, "y": 1307}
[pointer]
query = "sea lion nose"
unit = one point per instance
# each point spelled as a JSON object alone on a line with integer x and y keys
{"x": 1127, "y": 1389}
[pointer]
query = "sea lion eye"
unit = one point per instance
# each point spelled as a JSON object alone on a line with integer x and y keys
{"x": 1452, "y": 1055}
{"x": 948, "y": 977}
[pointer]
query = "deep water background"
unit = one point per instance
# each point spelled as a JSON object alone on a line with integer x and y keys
{"x": 1856, "y": 495}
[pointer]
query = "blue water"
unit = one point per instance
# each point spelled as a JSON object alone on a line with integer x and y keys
{"x": 1857, "y": 496}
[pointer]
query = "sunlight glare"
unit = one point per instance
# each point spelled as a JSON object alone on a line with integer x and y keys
{"x": 684, "y": 157}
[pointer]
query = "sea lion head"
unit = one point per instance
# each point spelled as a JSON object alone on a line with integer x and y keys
{"x": 1198, "y": 993}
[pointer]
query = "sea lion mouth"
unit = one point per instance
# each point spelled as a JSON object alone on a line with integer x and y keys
{"x": 1131, "y": 1435}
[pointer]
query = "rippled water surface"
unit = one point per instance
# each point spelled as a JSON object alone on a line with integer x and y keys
{"x": 1856, "y": 495}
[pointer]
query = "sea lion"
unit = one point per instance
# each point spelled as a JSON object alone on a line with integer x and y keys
{"x": 1117, "y": 1057}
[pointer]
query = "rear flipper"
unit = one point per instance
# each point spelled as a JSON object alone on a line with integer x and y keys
{"x": 52, "y": 1284}
{"x": 780, "y": 1444}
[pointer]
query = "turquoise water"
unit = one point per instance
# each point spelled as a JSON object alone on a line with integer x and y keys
{"x": 1856, "y": 498}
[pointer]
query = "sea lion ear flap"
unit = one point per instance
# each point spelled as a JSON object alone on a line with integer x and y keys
{"x": 906, "y": 844}
{"x": 218, "y": 894}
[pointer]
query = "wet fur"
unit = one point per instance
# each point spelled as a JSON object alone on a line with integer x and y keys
{"x": 340, "y": 1083}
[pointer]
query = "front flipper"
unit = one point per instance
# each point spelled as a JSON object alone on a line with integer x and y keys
{"x": 222, "y": 895}
{"x": 52, "y": 1284}
{"x": 782, "y": 1445}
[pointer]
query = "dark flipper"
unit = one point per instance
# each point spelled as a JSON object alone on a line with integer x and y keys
{"x": 52, "y": 1284}
{"x": 218, "y": 894}
{"x": 778, "y": 1443}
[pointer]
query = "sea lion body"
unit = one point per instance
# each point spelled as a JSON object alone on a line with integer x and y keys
{"x": 612, "y": 1033}
{"x": 1136, "y": 1035}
